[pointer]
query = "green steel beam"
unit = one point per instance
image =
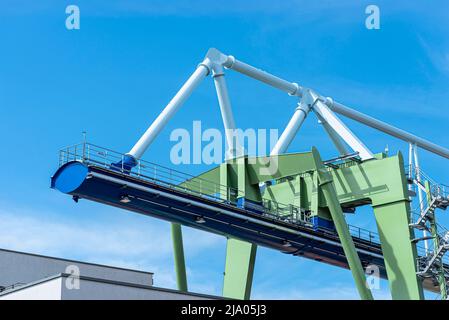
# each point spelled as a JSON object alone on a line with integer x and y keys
{"x": 240, "y": 255}
{"x": 327, "y": 186}
{"x": 239, "y": 269}
{"x": 380, "y": 182}
{"x": 398, "y": 250}
{"x": 178, "y": 249}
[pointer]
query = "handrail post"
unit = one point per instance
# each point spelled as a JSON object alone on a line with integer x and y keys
{"x": 138, "y": 168}
{"x": 84, "y": 151}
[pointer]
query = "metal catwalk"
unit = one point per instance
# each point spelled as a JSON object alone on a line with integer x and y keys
{"x": 87, "y": 171}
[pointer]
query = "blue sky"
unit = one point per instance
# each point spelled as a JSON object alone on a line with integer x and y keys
{"x": 114, "y": 75}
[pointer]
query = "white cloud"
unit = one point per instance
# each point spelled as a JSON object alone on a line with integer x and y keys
{"x": 142, "y": 244}
{"x": 438, "y": 57}
{"x": 332, "y": 291}
{"x": 146, "y": 246}
{"x": 127, "y": 243}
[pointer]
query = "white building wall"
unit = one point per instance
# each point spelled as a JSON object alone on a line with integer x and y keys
{"x": 55, "y": 288}
{"x": 95, "y": 290}
{"x": 50, "y": 290}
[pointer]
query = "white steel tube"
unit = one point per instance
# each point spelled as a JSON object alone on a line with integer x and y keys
{"x": 391, "y": 130}
{"x": 186, "y": 90}
{"x": 420, "y": 193}
{"x": 336, "y": 140}
{"x": 294, "y": 89}
{"x": 343, "y": 131}
{"x": 410, "y": 165}
{"x": 291, "y": 88}
{"x": 234, "y": 148}
{"x": 291, "y": 130}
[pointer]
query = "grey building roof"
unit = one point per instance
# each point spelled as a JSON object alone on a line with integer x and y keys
{"x": 22, "y": 268}
{"x": 54, "y": 287}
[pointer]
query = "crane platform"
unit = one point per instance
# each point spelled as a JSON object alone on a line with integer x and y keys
{"x": 90, "y": 172}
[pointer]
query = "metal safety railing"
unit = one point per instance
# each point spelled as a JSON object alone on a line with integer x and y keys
{"x": 11, "y": 286}
{"x": 432, "y": 261}
{"x": 364, "y": 234}
{"x": 436, "y": 189}
{"x": 91, "y": 154}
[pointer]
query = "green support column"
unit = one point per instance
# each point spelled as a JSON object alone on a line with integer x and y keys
{"x": 178, "y": 249}
{"x": 240, "y": 255}
{"x": 239, "y": 269}
{"x": 380, "y": 182}
{"x": 399, "y": 252}
{"x": 315, "y": 195}
{"x": 329, "y": 192}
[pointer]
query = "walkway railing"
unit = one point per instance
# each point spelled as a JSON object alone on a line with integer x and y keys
{"x": 437, "y": 189}
{"x": 91, "y": 154}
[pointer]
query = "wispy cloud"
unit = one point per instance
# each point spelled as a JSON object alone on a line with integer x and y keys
{"x": 330, "y": 292}
{"x": 119, "y": 243}
{"x": 438, "y": 55}
{"x": 122, "y": 243}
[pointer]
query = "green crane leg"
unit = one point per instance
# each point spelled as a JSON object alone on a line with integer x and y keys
{"x": 329, "y": 192}
{"x": 239, "y": 269}
{"x": 399, "y": 252}
{"x": 180, "y": 265}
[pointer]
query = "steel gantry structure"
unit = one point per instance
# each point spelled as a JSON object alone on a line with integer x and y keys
{"x": 297, "y": 208}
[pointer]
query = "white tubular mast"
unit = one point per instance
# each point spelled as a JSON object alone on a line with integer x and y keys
{"x": 291, "y": 88}
{"x": 294, "y": 89}
{"x": 300, "y": 114}
{"x": 386, "y": 128}
{"x": 324, "y": 108}
{"x": 335, "y": 138}
{"x": 420, "y": 191}
{"x": 340, "y": 128}
{"x": 234, "y": 147}
{"x": 292, "y": 128}
{"x": 186, "y": 90}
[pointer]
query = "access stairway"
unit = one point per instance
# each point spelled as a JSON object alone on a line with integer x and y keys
{"x": 437, "y": 202}
{"x": 430, "y": 265}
